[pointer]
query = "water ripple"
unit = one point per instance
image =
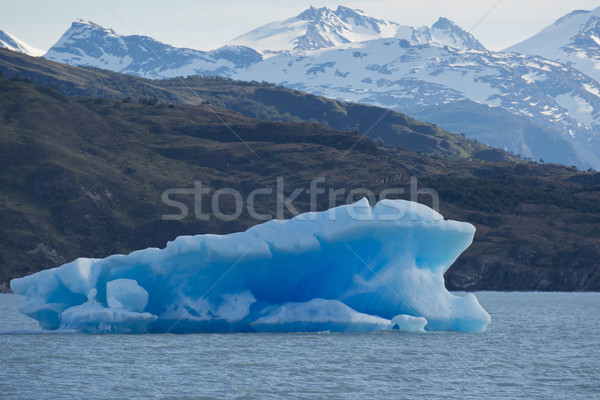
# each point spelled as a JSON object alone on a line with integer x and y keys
{"x": 539, "y": 346}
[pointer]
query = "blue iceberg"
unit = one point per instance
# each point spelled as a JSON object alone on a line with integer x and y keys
{"x": 353, "y": 268}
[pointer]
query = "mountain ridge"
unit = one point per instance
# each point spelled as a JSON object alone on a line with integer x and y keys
{"x": 319, "y": 28}
{"x": 255, "y": 100}
{"x": 555, "y": 96}
{"x": 89, "y": 44}
{"x": 573, "y": 39}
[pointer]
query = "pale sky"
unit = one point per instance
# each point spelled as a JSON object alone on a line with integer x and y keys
{"x": 204, "y": 25}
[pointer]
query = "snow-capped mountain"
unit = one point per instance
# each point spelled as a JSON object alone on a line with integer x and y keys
{"x": 418, "y": 69}
{"x": 318, "y": 28}
{"x": 10, "y": 42}
{"x": 395, "y": 74}
{"x": 446, "y": 32}
{"x": 573, "y": 39}
{"x": 88, "y": 44}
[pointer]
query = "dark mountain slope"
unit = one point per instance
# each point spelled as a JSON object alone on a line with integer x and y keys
{"x": 253, "y": 99}
{"x": 85, "y": 177}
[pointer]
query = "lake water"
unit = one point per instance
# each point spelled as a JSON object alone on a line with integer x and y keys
{"x": 539, "y": 346}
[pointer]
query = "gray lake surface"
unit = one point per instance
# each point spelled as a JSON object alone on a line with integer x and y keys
{"x": 538, "y": 346}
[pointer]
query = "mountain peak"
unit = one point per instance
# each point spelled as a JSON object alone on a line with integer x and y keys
{"x": 578, "y": 14}
{"x": 573, "y": 39}
{"x": 444, "y": 23}
{"x": 80, "y": 21}
{"x": 10, "y": 42}
{"x": 313, "y": 13}
{"x": 347, "y": 10}
{"x": 89, "y": 44}
{"x": 342, "y": 12}
{"x": 82, "y": 24}
{"x": 446, "y": 32}
{"x": 318, "y": 28}
{"x": 568, "y": 16}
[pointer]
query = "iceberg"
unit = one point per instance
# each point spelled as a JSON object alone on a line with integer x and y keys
{"x": 353, "y": 268}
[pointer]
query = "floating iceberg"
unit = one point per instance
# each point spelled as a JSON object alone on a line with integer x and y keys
{"x": 353, "y": 268}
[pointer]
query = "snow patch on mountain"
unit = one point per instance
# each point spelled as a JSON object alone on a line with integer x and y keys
{"x": 577, "y": 107}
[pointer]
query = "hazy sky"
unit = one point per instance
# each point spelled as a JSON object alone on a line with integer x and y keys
{"x": 204, "y": 24}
